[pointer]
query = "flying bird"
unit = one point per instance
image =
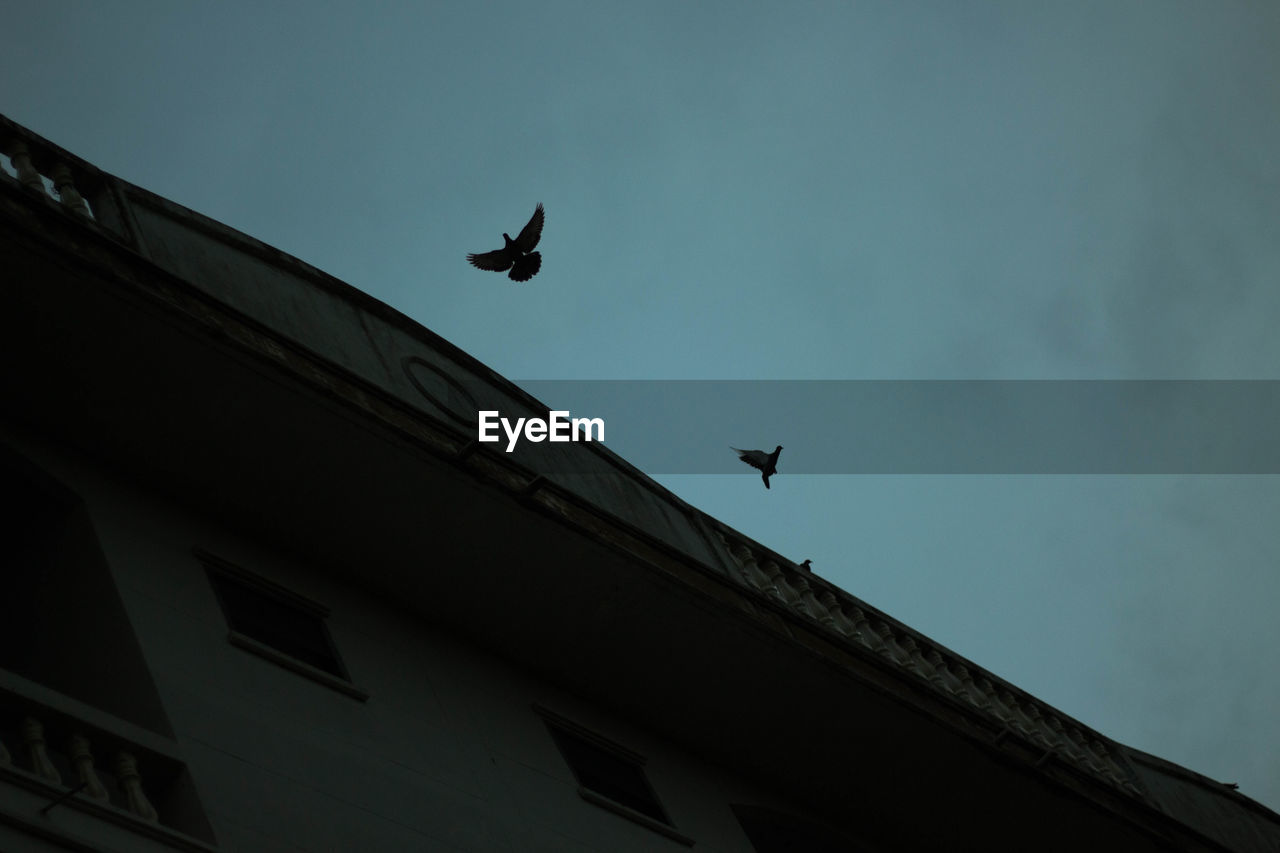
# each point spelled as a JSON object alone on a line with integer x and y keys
{"x": 766, "y": 462}
{"x": 518, "y": 254}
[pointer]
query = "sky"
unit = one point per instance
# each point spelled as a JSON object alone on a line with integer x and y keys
{"x": 794, "y": 191}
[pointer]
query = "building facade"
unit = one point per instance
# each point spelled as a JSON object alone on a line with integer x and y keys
{"x": 264, "y": 591}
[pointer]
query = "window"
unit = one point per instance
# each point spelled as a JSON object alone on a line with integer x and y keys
{"x": 609, "y": 774}
{"x": 277, "y": 624}
{"x": 280, "y": 624}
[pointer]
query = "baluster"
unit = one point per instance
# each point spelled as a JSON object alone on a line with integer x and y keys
{"x": 82, "y": 759}
{"x": 996, "y": 702}
{"x": 863, "y": 632}
{"x": 889, "y": 643}
{"x": 942, "y": 673}
{"x": 915, "y": 659}
{"x": 970, "y": 691}
{"x": 1069, "y": 744}
{"x": 61, "y": 177}
{"x": 20, "y": 156}
{"x": 37, "y": 754}
{"x": 1099, "y": 754}
{"x": 835, "y": 614}
{"x": 1110, "y": 769}
{"x": 735, "y": 549}
{"x": 809, "y": 601}
{"x": 1096, "y": 764}
{"x": 1019, "y": 721}
{"x": 1102, "y": 758}
{"x": 1040, "y": 729}
{"x": 131, "y": 782}
{"x": 747, "y": 562}
{"x": 758, "y": 578}
{"x": 779, "y": 586}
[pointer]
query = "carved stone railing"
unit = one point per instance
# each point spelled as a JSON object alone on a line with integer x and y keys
{"x": 63, "y": 180}
{"x": 79, "y": 770}
{"x": 76, "y": 757}
{"x": 18, "y": 147}
{"x": 1012, "y": 712}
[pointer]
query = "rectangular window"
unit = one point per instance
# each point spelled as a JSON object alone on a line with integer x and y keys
{"x": 277, "y": 624}
{"x": 609, "y": 774}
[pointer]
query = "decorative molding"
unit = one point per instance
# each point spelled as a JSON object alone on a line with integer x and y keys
{"x": 631, "y": 814}
{"x": 587, "y": 734}
{"x": 218, "y": 565}
{"x": 279, "y": 658}
{"x": 469, "y": 420}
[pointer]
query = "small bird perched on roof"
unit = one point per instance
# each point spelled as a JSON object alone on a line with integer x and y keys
{"x": 766, "y": 462}
{"x": 806, "y": 565}
{"x": 518, "y": 254}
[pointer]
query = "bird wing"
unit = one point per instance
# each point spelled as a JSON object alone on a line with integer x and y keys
{"x": 754, "y": 458}
{"x": 531, "y": 233}
{"x": 495, "y": 261}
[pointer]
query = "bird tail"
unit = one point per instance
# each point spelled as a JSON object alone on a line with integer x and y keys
{"x": 526, "y": 267}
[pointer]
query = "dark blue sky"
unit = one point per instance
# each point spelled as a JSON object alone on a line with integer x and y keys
{"x": 929, "y": 190}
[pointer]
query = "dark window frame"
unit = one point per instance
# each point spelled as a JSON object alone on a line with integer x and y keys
{"x": 562, "y": 728}
{"x": 220, "y": 572}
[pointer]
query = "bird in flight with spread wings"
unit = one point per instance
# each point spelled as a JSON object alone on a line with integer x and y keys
{"x": 766, "y": 462}
{"x": 518, "y": 254}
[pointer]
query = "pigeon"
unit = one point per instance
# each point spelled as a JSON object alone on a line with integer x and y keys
{"x": 518, "y": 255}
{"x": 766, "y": 462}
{"x": 806, "y": 565}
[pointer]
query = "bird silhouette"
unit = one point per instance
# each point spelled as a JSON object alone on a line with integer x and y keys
{"x": 766, "y": 462}
{"x": 807, "y": 565}
{"x": 518, "y": 254}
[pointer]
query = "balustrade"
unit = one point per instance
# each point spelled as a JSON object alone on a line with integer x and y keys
{"x": 841, "y": 614}
{"x": 69, "y": 762}
{"x": 44, "y": 168}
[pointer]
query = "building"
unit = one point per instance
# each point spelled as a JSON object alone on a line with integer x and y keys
{"x": 264, "y": 591}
